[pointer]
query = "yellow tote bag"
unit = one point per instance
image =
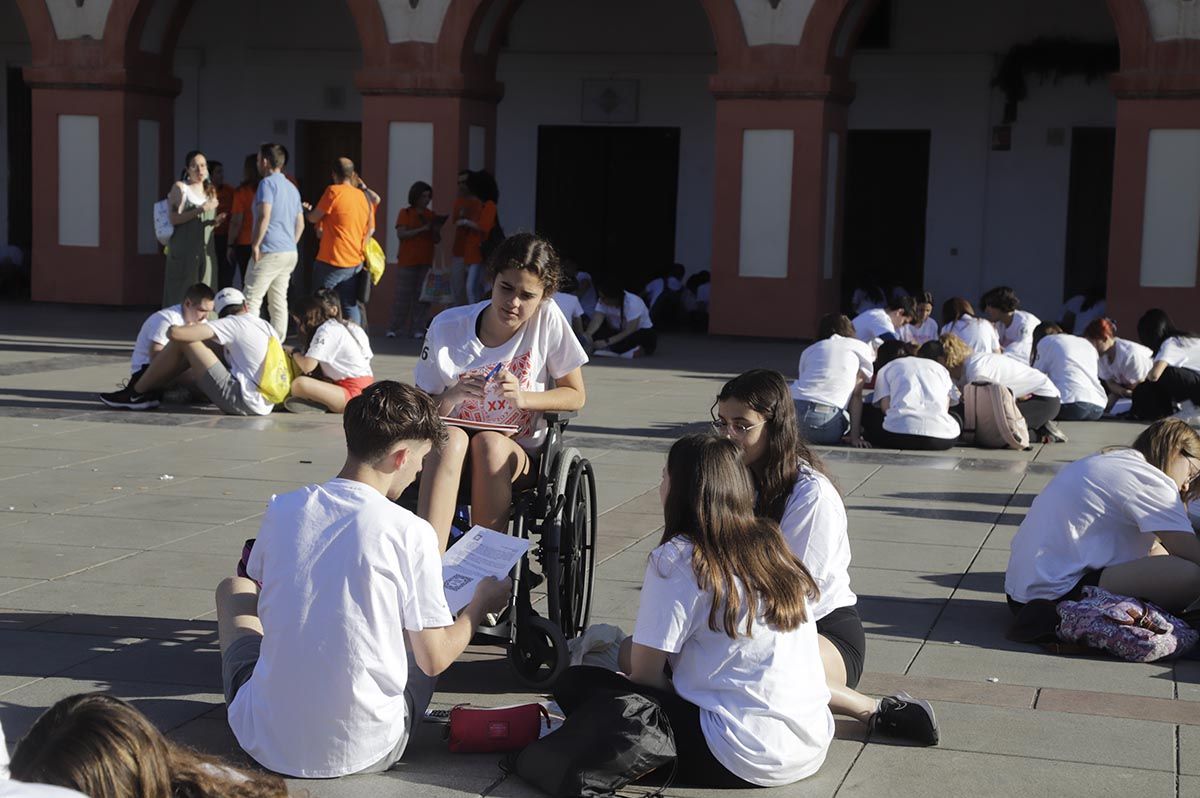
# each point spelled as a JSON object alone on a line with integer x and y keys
{"x": 278, "y": 372}
{"x": 375, "y": 259}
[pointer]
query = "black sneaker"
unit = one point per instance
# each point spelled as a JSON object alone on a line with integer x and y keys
{"x": 907, "y": 718}
{"x": 129, "y": 399}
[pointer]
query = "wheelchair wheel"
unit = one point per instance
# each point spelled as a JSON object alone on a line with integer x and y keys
{"x": 539, "y": 654}
{"x": 578, "y": 547}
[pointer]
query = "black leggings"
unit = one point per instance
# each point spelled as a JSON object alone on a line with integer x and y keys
{"x": 1155, "y": 400}
{"x": 695, "y": 764}
{"x": 873, "y": 431}
{"x": 1038, "y": 410}
{"x": 647, "y": 339}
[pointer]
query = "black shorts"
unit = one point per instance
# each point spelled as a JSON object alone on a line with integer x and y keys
{"x": 843, "y": 627}
{"x": 1074, "y": 594}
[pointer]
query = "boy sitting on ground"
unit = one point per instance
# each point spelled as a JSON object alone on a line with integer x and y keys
{"x": 152, "y": 338}
{"x": 328, "y": 667}
{"x": 233, "y": 389}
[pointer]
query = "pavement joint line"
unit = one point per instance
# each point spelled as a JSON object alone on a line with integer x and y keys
{"x": 1178, "y": 764}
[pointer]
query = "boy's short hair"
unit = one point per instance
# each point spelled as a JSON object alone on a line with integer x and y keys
{"x": 1002, "y": 298}
{"x": 832, "y": 324}
{"x": 197, "y": 293}
{"x": 274, "y": 154}
{"x": 388, "y": 412}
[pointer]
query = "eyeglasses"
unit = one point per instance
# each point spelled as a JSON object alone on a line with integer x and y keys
{"x": 1194, "y": 470}
{"x": 735, "y": 429}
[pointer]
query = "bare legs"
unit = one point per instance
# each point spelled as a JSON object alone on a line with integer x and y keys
{"x": 174, "y": 359}
{"x": 1170, "y": 582}
{"x": 237, "y": 610}
{"x": 842, "y": 699}
{"x": 325, "y": 393}
{"x": 440, "y": 477}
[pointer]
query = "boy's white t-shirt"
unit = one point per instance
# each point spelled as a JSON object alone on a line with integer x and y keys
{"x": 919, "y": 393}
{"x": 872, "y": 324}
{"x": 1084, "y": 317}
{"x": 344, "y": 573}
{"x": 588, "y": 297}
{"x": 343, "y": 350}
{"x": 1180, "y": 352}
{"x": 570, "y": 305}
{"x": 544, "y": 348}
{"x": 1130, "y": 364}
{"x": 1016, "y": 338}
{"x": 244, "y": 338}
{"x": 1018, "y": 377}
{"x": 634, "y": 308}
{"x": 919, "y": 333}
{"x": 764, "y": 705}
{"x": 1099, "y": 511}
{"x": 829, "y": 369}
{"x": 979, "y": 334}
{"x": 704, "y": 292}
{"x": 1073, "y": 365}
{"x": 154, "y": 331}
{"x": 814, "y": 526}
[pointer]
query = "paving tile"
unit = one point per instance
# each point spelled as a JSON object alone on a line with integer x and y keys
{"x": 902, "y": 584}
{"x": 41, "y": 653}
{"x": 196, "y": 663}
{"x": 918, "y": 557}
{"x": 890, "y": 656}
{"x": 1115, "y": 705}
{"x": 167, "y": 569}
{"x": 171, "y": 508}
{"x": 906, "y": 620}
{"x": 129, "y": 627}
{"x": 37, "y": 561}
{"x": 933, "y": 688}
{"x": 80, "y": 530}
{"x": 77, "y": 595}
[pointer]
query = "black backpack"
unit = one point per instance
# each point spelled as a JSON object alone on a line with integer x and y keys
{"x": 493, "y": 240}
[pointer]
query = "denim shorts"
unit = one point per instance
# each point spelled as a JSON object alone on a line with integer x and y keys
{"x": 821, "y": 424}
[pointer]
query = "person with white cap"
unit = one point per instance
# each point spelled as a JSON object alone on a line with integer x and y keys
{"x": 232, "y": 385}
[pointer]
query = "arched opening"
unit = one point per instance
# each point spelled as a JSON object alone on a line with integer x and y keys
{"x": 953, "y": 182}
{"x": 16, "y": 166}
{"x": 605, "y": 135}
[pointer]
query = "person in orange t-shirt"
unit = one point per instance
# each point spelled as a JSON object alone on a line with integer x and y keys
{"x": 344, "y": 213}
{"x": 417, "y": 229}
{"x": 482, "y": 186}
{"x": 241, "y": 223}
{"x": 466, "y": 207}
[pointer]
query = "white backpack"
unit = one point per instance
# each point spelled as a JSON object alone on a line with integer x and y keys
{"x": 992, "y": 419}
{"x": 163, "y": 229}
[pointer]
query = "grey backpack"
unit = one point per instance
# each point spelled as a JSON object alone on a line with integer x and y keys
{"x": 991, "y": 418}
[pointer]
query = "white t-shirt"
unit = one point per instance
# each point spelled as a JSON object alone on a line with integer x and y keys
{"x": 244, "y": 338}
{"x": 814, "y": 526}
{"x": 1073, "y": 365}
{"x": 918, "y": 333}
{"x": 872, "y": 324}
{"x": 344, "y": 573}
{"x": 154, "y": 331}
{"x": 1130, "y": 363}
{"x": 1018, "y": 377}
{"x": 703, "y": 293}
{"x": 1099, "y": 511}
{"x": 634, "y": 308}
{"x": 1180, "y": 352}
{"x": 1084, "y": 317}
{"x": 570, "y": 306}
{"x": 544, "y": 348}
{"x": 829, "y": 368}
{"x": 588, "y": 297}
{"x": 342, "y": 349}
{"x": 919, "y": 392}
{"x": 763, "y": 700}
{"x": 20, "y": 789}
{"x": 979, "y": 334}
{"x": 865, "y": 300}
{"x": 1017, "y": 338}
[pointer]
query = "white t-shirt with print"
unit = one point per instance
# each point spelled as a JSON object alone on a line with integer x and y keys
{"x": 1099, "y": 511}
{"x": 343, "y": 350}
{"x": 919, "y": 333}
{"x": 244, "y": 339}
{"x": 634, "y": 308}
{"x": 1016, "y": 338}
{"x": 1018, "y": 377}
{"x": 1180, "y": 352}
{"x": 570, "y": 305}
{"x": 544, "y": 348}
{"x": 872, "y": 324}
{"x": 829, "y": 369}
{"x": 1073, "y": 365}
{"x": 1130, "y": 363}
{"x": 763, "y": 700}
{"x": 814, "y": 526}
{"x": 344, "y": 573}
{"x": 154, "y": 331}
{"x": 919, "y": 393}
{"x": 979, "y": 334}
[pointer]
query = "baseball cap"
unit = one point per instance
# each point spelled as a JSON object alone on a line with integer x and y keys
{"x": 226, "y": 297}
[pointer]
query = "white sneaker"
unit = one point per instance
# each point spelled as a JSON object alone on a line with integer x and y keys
{"x": 605, "y": 353}
{"x": 1188, "y": 413}
{"x": 390, "y": 334}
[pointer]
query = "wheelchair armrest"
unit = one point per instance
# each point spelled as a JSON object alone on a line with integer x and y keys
{"x": 559, "y": 416}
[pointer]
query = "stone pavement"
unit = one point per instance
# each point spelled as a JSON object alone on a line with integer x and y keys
{"x": 115, "y": 527}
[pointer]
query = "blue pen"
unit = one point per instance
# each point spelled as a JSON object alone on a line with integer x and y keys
{"x": 494, "y": 372}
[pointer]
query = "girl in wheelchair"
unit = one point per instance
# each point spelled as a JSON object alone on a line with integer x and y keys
{"x": 489, "y": 366}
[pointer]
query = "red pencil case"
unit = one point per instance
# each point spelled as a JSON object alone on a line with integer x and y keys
{"x": 479, "y": 730}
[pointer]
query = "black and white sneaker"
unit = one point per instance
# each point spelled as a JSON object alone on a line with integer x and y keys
{"x": 906, "y": 718}
{"x": 129, "y": 399}
{"x": 1055, "y": 433}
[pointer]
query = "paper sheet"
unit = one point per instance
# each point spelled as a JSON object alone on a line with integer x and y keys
{"x": 478, "y": 554}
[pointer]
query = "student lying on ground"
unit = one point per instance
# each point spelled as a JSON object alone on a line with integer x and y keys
{"x": 723, "y": 603}
{"x": 1123, "y": 364}
{"x": 621, "y": 325}
{"x": 1115, "y": 519}
{"x": 911, "y": 403}
{"x": 337, "y": 348}
{"x": 104, "y": 748}
{"x": 1013, "y": 326}
{"x": 233, "y": 389}
{"x": 923, "y": 327}
{"x": 958, "y": 317}
{"x": 884, "y": 323}
{"x": 329, "y": 665}
{"x": 794, "y": 490}
{"x": 152, "y": 338}
{"x": 828, "y": 390}
{"x": 1037, "y": 398}
{"x": 1175, "y": 375}
{"x": 494, "y": 362}
{"x": 1072, "y": 365}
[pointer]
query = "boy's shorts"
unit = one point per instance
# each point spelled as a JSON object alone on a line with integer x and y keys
{"x": 237, "y": 664}
{"x": 224, "y": 391}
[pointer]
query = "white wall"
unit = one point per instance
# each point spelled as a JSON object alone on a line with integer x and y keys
{"x": 14, "y": 52}
{"x": 553, "y": 45}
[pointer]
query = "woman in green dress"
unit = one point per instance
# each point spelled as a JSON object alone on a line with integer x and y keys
{"x": 191, "y": 253}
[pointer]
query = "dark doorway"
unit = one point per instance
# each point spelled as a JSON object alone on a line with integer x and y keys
{"x": 887, "y": 184}
{"x": 606, "y": 197}
{"x": 318, "y": 145}
{"x": 14, "y": 280}
{"x": 1089, "y": 210}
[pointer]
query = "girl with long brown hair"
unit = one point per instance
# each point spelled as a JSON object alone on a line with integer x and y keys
{"x": 102, "y": 746}
{"x": 755, "y": 411}
{"x": 958, "y": 317}
{"x": 191, "y": 253}
{"x": 337, "y": 351}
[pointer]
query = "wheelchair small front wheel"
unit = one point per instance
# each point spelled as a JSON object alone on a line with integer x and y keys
{"x": 539, "y": 654}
